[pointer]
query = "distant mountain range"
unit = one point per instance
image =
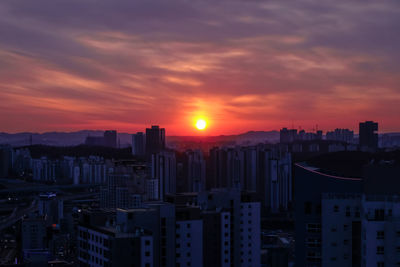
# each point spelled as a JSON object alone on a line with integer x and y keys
{"x": 77, "y": 138}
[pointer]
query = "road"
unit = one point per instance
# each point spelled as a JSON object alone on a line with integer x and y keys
{"x": 19, "y": 214}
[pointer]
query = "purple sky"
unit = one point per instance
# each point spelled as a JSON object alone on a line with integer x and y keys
{"x": 241, "y": 65}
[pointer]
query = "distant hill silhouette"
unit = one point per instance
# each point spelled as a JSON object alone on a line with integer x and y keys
{"x": 78, "y": 138}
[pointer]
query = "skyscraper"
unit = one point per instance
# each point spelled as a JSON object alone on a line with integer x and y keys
{"x": 196, "y": 171}
{"x": 368, "y": 137}
{"x": 138, "y": 144}
{"x": 155, "y": 139}
{"x": 163, "y": 170}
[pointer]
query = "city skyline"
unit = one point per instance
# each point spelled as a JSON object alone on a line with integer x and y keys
{"x": 229, "y": 133}
{"x": 241, "y": 66}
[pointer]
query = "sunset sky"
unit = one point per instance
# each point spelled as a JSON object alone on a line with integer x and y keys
{"x": 242, "y": 65}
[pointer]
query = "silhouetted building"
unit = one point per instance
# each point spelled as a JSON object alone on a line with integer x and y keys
{"x": 110, "y": 138}
{"x": 257, "y": 169}
{"x": 91, "y": 170}
{"x": 218, "y": 169}
{"x": 340, "y": 230}
{"x": 310, "y": 185}
{"x": 196, "y": 171}
{"x": 33, "y": 233}
{"x": 155, "y": 139}
{"x": 319, "y": 135}
{"x": 380, "y": 230}
{"x": 189, "y": 237}
{"x": 344, "y": 135}
{"x": 6, "y": 159}
{"x": 237, "y": 224}
{"x": 291, "y": 135}
{"x": 288, "y": 136}
{"x": 51, "y": 207}
{"x": 390, "y": 140}
{"x": 34, "y": 239}
{"x": 125, "y": 187}
{"x": 359, "y": 229}
{"x": 163, "y": 175}
{"x": 22, "y": 161}
{"x": 368, "y": 137}
{"x": 274, "y": 184}
{"x": 231, "y": 225}
{"x": 217, "y": 228}
{"x": 107, "y": 241}
{"x": 159, "y": 219}
{"x": 217, "y": 242}
{"x": 138, "y": 144}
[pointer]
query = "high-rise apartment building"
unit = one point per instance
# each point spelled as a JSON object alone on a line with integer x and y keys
{"x": 196, "y": 171}
{"x": 368, "y": 136}
{"x": 288, "y": 135}
{"x": 260, "y": 169}
{"x": 107, "y": 241}
{"x": 310, "y": 226}
{"x": 122, "y": 191}
{"x": 217, "y": 238}
{"x": 159, "y": 219}
{"x": 90, "y": 170}
{"x": 138, "y": 144}
{"x": 359, "y": 230}
{"x": 274, "y": 187}
{"x": 343, "y": 135}
{"x": 231, "y": 225}
{"x": 189, "y": 237}
{"x": 217, "y": 228}
{"x": 291, "y": 135}
{"x": 340, "y": 230}
{"x": 163, "y": 170}
{"x": 244, "y": 225}
{"x": 155, "y": 139}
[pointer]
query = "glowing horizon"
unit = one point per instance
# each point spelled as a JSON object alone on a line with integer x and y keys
{"x": 241, "y": 65}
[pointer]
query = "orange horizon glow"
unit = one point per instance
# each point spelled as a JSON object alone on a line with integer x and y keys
{"x": 251, "y": 66}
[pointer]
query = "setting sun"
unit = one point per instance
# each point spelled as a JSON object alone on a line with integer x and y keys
{"x": 201, "y": 124}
